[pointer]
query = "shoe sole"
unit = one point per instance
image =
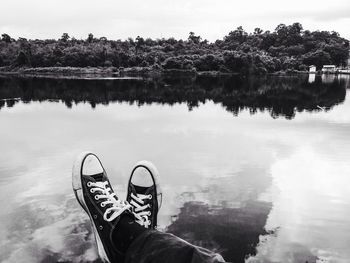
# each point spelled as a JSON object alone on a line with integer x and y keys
{"x": 155, "y": 176}
{"x": 77, "y": 188}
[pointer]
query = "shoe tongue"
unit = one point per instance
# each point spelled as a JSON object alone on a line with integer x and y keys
{"x": 142, "y": 189}
{"x": 97, "y": 177}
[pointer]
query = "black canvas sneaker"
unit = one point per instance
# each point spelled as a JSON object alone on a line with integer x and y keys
{"x": 144, "y": 194}
{"x": 95, "y": 194}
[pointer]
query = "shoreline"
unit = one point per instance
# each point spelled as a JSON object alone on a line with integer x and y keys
{"x": 132, "y": 73}
{"x": 115, "y": 73}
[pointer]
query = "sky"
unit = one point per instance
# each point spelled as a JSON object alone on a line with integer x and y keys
{"x": 210, "y": 19}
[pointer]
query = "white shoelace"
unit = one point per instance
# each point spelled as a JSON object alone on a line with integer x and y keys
{"x": 118, "y": 206}
{"x": 139, "y": 210}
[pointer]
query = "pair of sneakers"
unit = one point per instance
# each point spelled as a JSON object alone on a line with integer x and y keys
{"x": 95, "y": 194}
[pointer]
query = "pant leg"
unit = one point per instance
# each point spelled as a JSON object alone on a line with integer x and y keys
{"x": 158, "y": 247}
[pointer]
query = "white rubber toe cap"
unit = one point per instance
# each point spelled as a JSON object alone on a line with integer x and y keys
{"x": 142, "y": 177}
{"x": 91, "y": 165}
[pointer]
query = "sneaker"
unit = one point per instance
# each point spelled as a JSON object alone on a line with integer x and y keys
{"x": 96, "y": 196}
{"x": 144, "y": 194}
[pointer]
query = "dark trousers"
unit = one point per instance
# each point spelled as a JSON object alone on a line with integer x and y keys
{"x": 158, "y": 247}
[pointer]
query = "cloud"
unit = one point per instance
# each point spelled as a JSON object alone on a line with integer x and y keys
{"x": 40, "y": 232}
{"x": 323, "y": 191}
{"x": 164, "y": 18}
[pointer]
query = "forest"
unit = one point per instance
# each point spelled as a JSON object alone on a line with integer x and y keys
{"x": 289, "y": 48}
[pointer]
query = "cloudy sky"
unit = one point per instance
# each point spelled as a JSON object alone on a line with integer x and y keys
{"x": 211, "y": 19}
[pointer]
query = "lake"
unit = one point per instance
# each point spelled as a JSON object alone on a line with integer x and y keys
{"x": 257, "y": 169}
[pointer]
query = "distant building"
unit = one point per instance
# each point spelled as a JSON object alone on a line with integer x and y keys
{"x": 329, "y": 69}
{"x": 344, "y": 71}
{"x": 312, "y": 69}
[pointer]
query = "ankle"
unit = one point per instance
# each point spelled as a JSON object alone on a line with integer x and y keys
{"x": 126, "y": 231}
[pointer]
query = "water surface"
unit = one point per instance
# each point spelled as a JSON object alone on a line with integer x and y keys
{"x": 254, "y": 168}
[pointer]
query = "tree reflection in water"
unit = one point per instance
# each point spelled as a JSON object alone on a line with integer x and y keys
{"x": 233, "y": 232}
{"x": 281, "y": 96}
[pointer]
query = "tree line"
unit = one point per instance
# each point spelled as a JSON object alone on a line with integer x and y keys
{"x": 287, "y": 48}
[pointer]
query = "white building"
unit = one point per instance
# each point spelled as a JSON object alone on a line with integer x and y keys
{"x": 344, "y": 71}
{"x": 329, "y": 69}
{"x": 312, "y": 69}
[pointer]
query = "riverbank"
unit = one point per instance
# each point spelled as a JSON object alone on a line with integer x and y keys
{"x": 86, "y": 72}
{"x": 113, "y": 72}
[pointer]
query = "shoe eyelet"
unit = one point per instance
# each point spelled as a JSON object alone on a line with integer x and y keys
{"x": 149, "y": 196}
{"x": 100, "y": 227}
{"x": 92, "y": 191}
{"x": 97, "y": 197}
{"x": 103, "y": 204}
{"x": 89, "y": 184}
{"x": 95, "y": 216}
{"x": 149, "y": 213}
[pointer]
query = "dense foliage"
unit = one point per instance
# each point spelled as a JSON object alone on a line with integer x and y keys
{"x": 287, "y": 48}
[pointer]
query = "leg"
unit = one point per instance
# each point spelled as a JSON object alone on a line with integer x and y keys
{"x": 157, "y": 247}
{"x": 124, "y": 232}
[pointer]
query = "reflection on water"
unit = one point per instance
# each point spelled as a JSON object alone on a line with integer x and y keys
{"x": 255, "y": 188}
{"x": 280, "y": 96}
{"x": 312, "y": 78}
{"x": 232, "y": 232}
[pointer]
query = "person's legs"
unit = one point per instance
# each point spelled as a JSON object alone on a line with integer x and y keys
{"x": 126, "y": 236}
